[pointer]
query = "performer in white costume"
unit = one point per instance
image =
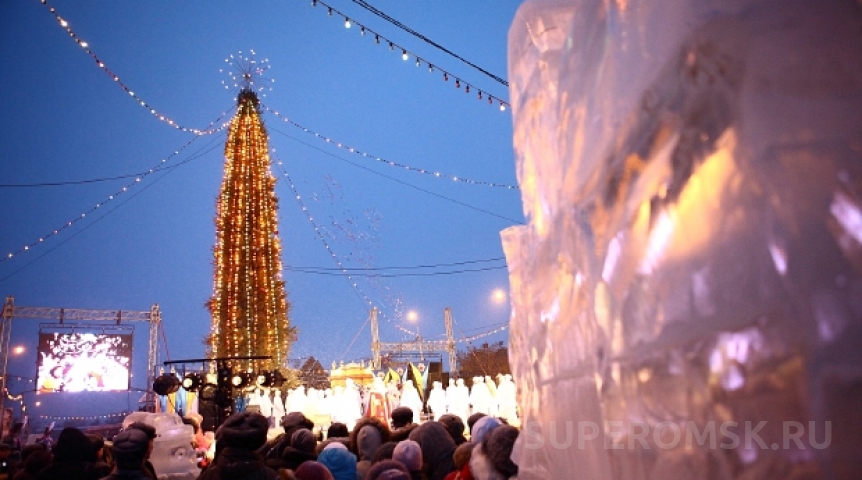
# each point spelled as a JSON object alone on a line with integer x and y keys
{"x": 265, "y": 404}
{"x": 410, "y": 399}
{"x": 477, "y": 400}
{"x": 508, "y": 401}
{"x": 492, "y": 401}
{"x": 297, "y": 400}
{"x": 277, "y": 409}
{"x": 460, "y": 402}
{"x": 450, "y": 395}
{"x": 352, "y": 404}
{"x": 437, "y": 400}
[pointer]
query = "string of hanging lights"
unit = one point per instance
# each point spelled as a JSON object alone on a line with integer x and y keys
{"x": 92, "y": 417}
{"x": 407, "y": 55}
{"x": 384, "y": 161}
{"x": 376, "y": 11}
{"x": 344, "y": 271}
{"x": 86, "y": 47}
{"x": 65, "y": 226}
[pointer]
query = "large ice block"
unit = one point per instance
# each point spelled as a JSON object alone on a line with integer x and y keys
{"x": 692, "y": 176}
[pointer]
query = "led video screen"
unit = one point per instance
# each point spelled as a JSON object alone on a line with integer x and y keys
{"x": 77, "y": 362}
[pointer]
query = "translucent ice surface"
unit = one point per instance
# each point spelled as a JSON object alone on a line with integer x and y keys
{"x": 692, "y": 266}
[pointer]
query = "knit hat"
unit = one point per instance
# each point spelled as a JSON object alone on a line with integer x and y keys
{"x": 409, "y": 454}
{"x": 482, "y": 428}
{"x": 462, "y": 454}
{"x": 130, "y": 442}
{"x": 312, "y": 470}
{"x": 303, "y": 440}
{"x": 245, "y": 431}
{"x": 339, "y": 461}
{"x": 402, "y": 416}
{"x": 387, "y": 470}
{"x": 472, "y": 419}
{"x": 498, "y": 448}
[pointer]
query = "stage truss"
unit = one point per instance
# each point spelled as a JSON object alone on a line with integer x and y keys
{"x": 62, "y": 315}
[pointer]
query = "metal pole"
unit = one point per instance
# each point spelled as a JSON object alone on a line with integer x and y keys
{"x": 450, "y": 339}
{"x": 375, "y": 340}
{"x": 5, "y": 338}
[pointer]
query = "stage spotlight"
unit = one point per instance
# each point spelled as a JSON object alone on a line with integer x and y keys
{"x": 166, "y": 384}
{"x": 241, "y": 380}
{"x": 264, "y": 379}
{"x": 193, "y": 381}
{"x": 208, "y": 392}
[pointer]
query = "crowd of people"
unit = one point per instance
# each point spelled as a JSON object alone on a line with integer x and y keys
{"x": 401, "y": 449}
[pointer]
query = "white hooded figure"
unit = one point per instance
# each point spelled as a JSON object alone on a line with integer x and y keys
{"x": 352, "y": 404}
{"x": 265, "y": 403}
{"x": 459, "y": 401}
{"x": 410, "y": 399}
{"x": 479, "y": 396}
{"x": 297, "y": 400}
{"x": 492, "y": 402}
{"x": 326, "y": 404}
{"x": 507, "y": 400}
{"x": 437, "y": 400}
{"x": 277, "y": 409}
{"x": 252, "y": 399}
{"x": 450, "y": 395}
{"x": 312, "y": 403}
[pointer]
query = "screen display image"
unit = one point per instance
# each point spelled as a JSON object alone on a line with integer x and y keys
{"x": 77, "y": 362}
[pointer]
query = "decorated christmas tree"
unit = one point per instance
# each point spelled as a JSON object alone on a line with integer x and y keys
{"x": 249, "y": 305}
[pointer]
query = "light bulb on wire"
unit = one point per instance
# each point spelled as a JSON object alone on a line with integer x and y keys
{"x": 404, "y": 55}
{"x": 346, "y": 23}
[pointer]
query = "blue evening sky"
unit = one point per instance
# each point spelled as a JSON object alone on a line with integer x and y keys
{"x": 65, "y": 120}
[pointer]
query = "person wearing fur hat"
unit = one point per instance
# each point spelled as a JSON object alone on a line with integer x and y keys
{"x": 301, "y": 449}
{"x": 491, "y": 459}
{"x": 409, "y": 453}
{"x": 237, "y": 440}
{"x": 437, "y": 449}
{"x": 366, "y": 437}
{"x": 129, "y": 450}
{"x": 455, "y": 427}
{"x": 274, "y": 449}
{"x": 340, "y": 462}
{"x": 388, "y": 470}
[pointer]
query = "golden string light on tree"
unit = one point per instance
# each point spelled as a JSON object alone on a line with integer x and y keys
{"x": 249, "y": 305}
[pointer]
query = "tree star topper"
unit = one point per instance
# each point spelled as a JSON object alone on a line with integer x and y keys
{"x": 247, "y": 73}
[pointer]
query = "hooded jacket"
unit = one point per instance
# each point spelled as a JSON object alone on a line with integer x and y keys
{"x": 340, "y": 462}
{"x": 366, "y": 437}
{"x": 437, "y": 449}
{"x": 237, "y": 464}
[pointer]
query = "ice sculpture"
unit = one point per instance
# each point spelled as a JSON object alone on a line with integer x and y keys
{"x": 692, "y": 175}
{"x": 173, "y": 457}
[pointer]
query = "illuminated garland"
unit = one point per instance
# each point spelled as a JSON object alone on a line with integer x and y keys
{"x": 344, "y": 271}
{"x": 249, "y": 303}
{"x": 86, "y": 46}
{"x": 110, "y": 198}
{"x": 94, "y": 417}
{"x": 406, "y": 54}
{"x": 388, "y": 162}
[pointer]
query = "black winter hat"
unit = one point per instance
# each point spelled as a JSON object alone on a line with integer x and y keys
{"x": 245, "y": 431}
{"x": 402, "y": 416}
{"x": 498, "y": 448}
